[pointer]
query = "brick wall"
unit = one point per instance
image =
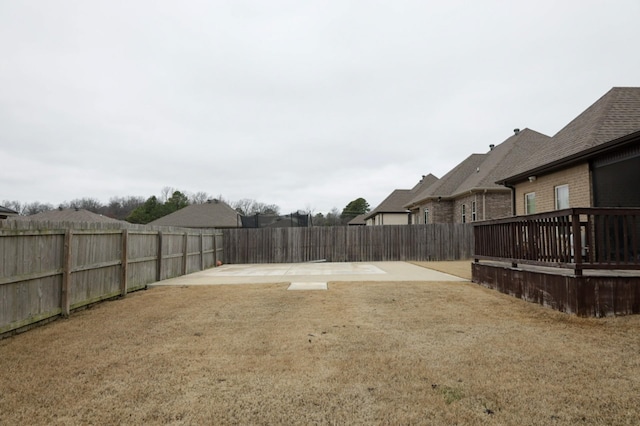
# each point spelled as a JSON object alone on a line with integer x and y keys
{"x": 496, "y": 203}
{"x": 578, "y": 179}
{"x": 489, "y": 205}
{"x": 439, "y": 212}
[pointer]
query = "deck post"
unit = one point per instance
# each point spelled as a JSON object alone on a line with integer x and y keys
{"x": 577, "y": 242}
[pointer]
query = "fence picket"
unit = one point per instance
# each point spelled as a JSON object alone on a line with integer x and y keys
{"x": 349, "y": 244}
{"x": 47, "y": 270}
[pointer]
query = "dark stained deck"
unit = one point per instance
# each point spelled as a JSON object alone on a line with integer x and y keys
{"x": 580, "y": 261}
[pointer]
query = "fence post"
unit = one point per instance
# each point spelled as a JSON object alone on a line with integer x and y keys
{"x": 124, "y": 268}
{"x": 159, "y": 262}
{"x": 66, "y": 275}
{"x": 215, "y": 248}
{"x": 201, "y": 250}
{"x": 185, "y": 239}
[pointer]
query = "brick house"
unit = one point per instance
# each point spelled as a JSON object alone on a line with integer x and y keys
{"x": 594, "y": 161}
{"x": 469, "y": 192}
{"x": 392, "y": 210}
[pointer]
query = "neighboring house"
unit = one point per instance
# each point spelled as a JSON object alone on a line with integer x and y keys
{"x": 212, "y": 214}
{"x": 6, "y": 213}
{"x": 594, "y": 161}
{"x": 468, "y": 192}
{"x": 392, "y": 210}
{"x": 68, "y": 215}
{"x": 358, "y": 221}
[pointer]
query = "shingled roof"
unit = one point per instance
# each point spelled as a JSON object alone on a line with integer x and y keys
{"x": 502, "y": 160}
{"x": 213, "y": 214}
{"x": 448, "y": 183}
{"x": 613, "y": 116}
{"x": 358, "y": 220}
{"x": 398, "y": 199}
{"x": 7, "y": 212}
{"x": 481, "y": 171}
{"x": 68, "y": 215}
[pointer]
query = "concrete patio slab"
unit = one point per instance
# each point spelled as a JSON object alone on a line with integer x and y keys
{"x": 310, "y": 272}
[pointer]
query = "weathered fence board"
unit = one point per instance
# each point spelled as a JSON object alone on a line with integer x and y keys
{"x": 349, "y": 244}
{"x": 49, "y": 272}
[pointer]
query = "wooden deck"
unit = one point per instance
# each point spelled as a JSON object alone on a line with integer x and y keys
{"x": 580, "y": 261}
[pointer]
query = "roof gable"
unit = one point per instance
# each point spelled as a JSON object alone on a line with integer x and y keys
{"x": 399, "y": 198}
{"x": 424, "y": 183}
{"x": 447, "y": 184}
{"x": 614, "y": 115}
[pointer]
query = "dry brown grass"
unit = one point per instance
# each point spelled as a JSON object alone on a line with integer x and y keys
{"x": 359, "y": 353}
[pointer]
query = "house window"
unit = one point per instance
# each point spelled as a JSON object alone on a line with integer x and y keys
{"x": 473, "y": 211}
{"x": 464, "y": 213}
{"x": 562, "y": 197}
{"x": 530, "y": 203}
{"x": 426, "y": 216}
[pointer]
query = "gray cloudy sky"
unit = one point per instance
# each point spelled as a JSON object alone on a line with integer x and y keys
{"x": 303, "y": 104}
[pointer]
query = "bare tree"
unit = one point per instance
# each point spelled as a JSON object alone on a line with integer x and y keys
{"x": 85, "y": 203}
{"x": 14, "y": 205}
{"x": 165, "y": 193}
{"x": 121, "y": 207}
{"x": 199, "y": 198}
{"x": 333, "y": 218}
{"x": 244, "y": 206}
{"x": 308, "y": 210}
{"x": 36, "y": 207}
{"x": 249, "y": 207}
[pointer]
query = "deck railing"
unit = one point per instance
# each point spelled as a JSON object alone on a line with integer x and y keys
{"x": 578, "y": 239}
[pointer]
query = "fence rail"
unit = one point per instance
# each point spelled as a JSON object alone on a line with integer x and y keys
{"x": 579, "y": 239}
{"x": 349, "y": 244}
{"x": 45, "y": 273}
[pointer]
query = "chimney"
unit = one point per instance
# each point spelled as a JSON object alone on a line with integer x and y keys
{"x": 491, "y": 147}
{"x": 516, "y": 131}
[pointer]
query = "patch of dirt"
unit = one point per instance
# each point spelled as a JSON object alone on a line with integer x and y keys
{"x": 359, "y": 353}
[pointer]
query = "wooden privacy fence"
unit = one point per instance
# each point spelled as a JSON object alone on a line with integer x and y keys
{"x": 47, "y": 273}
{"x": 349, "y": 243}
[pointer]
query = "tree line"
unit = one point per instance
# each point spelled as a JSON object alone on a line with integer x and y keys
{"x": 136, "y": 209}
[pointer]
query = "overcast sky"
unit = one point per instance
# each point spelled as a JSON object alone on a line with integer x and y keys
{"x": 303, "y": 104}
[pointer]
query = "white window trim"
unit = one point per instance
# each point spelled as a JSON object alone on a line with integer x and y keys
{"x": 526, "y": 203}
{"x": 557, "y": 199}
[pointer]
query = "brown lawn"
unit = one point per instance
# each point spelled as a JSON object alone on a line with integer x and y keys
{"x": 359, "y": 353}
